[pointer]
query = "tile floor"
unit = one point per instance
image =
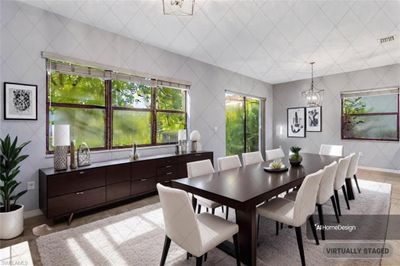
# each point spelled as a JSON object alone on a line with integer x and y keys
{"x": 23, "y": 249}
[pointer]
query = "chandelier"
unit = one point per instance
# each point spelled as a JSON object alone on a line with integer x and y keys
{"x": 313, "y": 96}
{"x": 178, "y": 7}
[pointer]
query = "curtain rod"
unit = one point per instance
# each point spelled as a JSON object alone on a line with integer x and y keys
{"x": 394, "y": 88}
{"x": 57, "y": 57}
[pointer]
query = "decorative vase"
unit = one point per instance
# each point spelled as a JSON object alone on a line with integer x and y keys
{"x": 83, "y": 155}
{"x": 12, "y": 223}
{"x": 60, "y": 158}
{"x": 194, "y": 146}
{"x": 73, "y": 155}
{"x": 295, "y": 160}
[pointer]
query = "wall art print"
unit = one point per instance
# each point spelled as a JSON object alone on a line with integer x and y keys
{"x": 314, "y": 119}
{"x": 296, "y": 122}
{"x": 20, "y": 101}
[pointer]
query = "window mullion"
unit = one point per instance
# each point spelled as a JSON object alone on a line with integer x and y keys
{"x": 153, "y": 117}
{"x": 109, "y": 114}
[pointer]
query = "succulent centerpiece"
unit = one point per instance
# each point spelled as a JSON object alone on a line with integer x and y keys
{"x": 295, "y": 158}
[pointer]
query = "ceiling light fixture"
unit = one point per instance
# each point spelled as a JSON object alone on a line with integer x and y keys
{"x": 313, "y": 96}
{"x": 178, "y": 7}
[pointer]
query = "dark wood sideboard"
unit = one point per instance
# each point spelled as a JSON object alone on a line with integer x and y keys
{"x": 63, "y": 193}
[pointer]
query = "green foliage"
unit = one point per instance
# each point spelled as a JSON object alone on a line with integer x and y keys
{"x": 296, "y": 153}
{"x": 276, "y": 164}
{"x": 170, "y": 99}
{"x": 76, "y": 89}
{"x": 10, "y": 159}
{"x": 168, "y": 125}
{"x": 351, "y": 108}
{"x": 131, "y": 127}
{"x": 234, "y": 118}
{"x": 133, "y": 95}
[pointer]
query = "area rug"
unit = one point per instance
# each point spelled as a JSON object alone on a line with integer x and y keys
{"x": 136, "y": 238}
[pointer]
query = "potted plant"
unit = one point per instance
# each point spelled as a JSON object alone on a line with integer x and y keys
{"x": 11, "y": 214}
{"x": 295, "y": 158}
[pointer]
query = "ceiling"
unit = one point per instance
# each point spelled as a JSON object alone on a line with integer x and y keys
{"x": 271, "y": 41}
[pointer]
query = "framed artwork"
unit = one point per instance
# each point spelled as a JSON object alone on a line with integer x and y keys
{"x": 20, "y": 101}
{"x": 296, "y": 122}
{"x": 314, "y": 119}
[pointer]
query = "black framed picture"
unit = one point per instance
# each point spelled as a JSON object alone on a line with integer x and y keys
{"x": 20, "y": 101}
{"x": 296, "y": 122}
{"x": 314, "y": 119}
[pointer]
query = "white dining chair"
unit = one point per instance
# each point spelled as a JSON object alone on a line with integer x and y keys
{"x": 296, "y": 213}
{"x": 333, "y": 150}
{"x": 340, "y": 178}
{"x": 325, "y": 192}
{"x": 274, "y": 154}
{"x": 197, "y": 234}
{"x": 200, "y": 168}
{"x": 353, "y": 167}
{"x": 252, "y": 158}
{"x": 229, "y": 162}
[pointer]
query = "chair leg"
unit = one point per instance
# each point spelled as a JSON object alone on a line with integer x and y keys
{"x": 212, "y": 211}
{"x": 237, "y": 250}
{"x": 206, "y": 209}
{"x": 188, "y": 255}
{"x": 227, "y": 213}
{"x": 199, "y": 261}
{"x": 337, "y": 202}
{"x": 199, "y": 209}
{"x": 300, "y": 244}
{"x": 222, "y": 207}
{"x": 281, "y": 226}
{"x": 358, "y": 188}
{"x": 258, "y": 228}
{"x": 205, "y": 257}
{"x": 167, "y": 243}
{"x": 314, "y": 231}
{"x": 321, "y": 220}
{"x": 335, "y": 208}
{"x": 276, "y": 228}
{"x": 345, "y": 196}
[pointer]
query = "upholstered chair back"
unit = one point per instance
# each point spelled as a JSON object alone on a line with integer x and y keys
{"x": 199, "y": 168}
{"x": 341, "y": 172}
{"x": 325, "y": 191}
{"x": 274, "y": 154}
{"x": 252, "y": 158}
{"x": 333, "y": 150}
{"x": 229, "y": 162}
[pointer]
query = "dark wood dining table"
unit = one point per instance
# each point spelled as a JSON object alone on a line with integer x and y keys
{"x": 244, "y": 188}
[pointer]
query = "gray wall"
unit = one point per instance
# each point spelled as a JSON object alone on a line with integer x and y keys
{"x": 26, "y": 31}
{"x": 378, "y": 154}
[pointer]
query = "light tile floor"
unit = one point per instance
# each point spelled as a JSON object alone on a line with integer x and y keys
{"x": 23, "y": 250}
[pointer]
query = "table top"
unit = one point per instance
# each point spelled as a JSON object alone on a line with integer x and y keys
{"x": 252, "y": 183}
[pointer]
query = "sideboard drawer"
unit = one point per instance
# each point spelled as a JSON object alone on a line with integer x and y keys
{"x": 118, "y": 173}
{"x": 77, "y": 181}
{"x": 118, "y": 190}
{"x": 143, "y": 186}
{"x": 198, "y": 157}
{"x": 145, "y": 169}
{"x": 76, "y": 201}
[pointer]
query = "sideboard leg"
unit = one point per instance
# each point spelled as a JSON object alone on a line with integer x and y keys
{"x": 71, "y": 217}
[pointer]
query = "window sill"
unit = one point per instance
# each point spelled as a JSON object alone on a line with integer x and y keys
{"x": 124, "y": 150}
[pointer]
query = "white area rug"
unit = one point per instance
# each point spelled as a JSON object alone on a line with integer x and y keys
{"x": 136, "y": 238}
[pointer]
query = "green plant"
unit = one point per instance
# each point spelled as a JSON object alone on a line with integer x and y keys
{"x": 276, "y": 165}
{"x": 10, "y": 159}
{"x": 295, "y": 156}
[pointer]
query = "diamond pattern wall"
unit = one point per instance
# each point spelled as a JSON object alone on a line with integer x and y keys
{"x": 267, "y": 40}
{"x": 27, "y": 30}
{"x": 378, "y": 154}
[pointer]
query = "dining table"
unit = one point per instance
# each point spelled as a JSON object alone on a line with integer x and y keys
{"x": 246, "y": 187}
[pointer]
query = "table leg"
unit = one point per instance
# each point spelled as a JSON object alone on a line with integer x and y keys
{"x": 247, "y": 221}
{"x": 349, "y": 188}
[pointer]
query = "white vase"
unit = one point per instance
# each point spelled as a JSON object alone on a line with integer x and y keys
{"x": 12, "y": 223}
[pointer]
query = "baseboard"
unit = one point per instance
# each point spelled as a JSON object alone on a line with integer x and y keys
{"x": 32, "y": 213}
{"x": 383, "y": 170}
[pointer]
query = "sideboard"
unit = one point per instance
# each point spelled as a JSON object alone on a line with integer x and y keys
{"x": 64, "y": 193}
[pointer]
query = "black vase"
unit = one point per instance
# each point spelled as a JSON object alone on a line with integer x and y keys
{"x": 296, "y": 162}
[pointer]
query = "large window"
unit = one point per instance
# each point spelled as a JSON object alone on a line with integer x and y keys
{"x": 371, "y": 115}
{"x": 114, "y": 113}
{"x": 243, "y": 124}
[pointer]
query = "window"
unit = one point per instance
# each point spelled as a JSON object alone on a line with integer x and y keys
{"x": 243, "y": 124}
{"x": 109, "y": 113}
{"x": 371, "y": 115}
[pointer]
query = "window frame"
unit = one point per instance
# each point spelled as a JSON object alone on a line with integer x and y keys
{"x": 108, "y": 115}
{"x": 342, "y": 124}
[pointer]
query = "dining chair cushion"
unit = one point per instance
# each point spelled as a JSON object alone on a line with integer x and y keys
{"x": 353, "y": 166}
{"x": 325, "y": 191}
{"x": 274, "y": 154}
{"x": 341, "y": 172}
{"x": 199, "y": 168}
{"x": 252, "y": 158}
{"x": 229, "y": 162}
{"x": 333, "y": 150}
{"x": 214, "y": 230}
{"x": 294, "y": 213}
